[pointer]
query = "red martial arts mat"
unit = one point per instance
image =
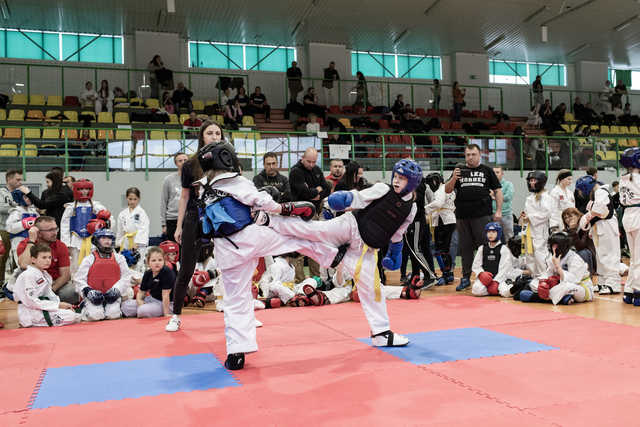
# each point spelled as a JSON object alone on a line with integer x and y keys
{"x": 471, "y": 361}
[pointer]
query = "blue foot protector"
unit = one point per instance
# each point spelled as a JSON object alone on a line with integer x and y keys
{"x": 459, "y": 344}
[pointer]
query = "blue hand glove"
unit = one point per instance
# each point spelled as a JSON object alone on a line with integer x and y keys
{"x": 327, "y": 214}
{"x": 340, "y": 200}
{"x": 393, "y": 259}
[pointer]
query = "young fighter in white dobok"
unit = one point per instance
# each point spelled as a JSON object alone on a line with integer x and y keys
{"x": 442, "y": 211}
{"x": 630, "y": 199}
{"x": 563, "y": 198}
{"x": 21, "y": 218}
{"x": 568, "y": 279}
{"x": 538, "y": 209}
{"x": 383, "y": 214}
{"x": 602, "y": 224}
{"x": 492, "y": 264}
{"x": 38, "y": 305}
{"x": 227, "y": 199}
{"x": 132, "y": 233}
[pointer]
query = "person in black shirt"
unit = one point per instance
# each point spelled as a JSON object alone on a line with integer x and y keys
{"x": 330, "y": 75}
{"x": 182, "y": 98}
{"x": 473, "y": 183}
{"x": 53, "y": 198}
{"x": 311, "y": 106}
{"x": 270, "y": 176}
{"x": 294, "y": 77}
{"x": 243, "y": 101}
{"x": 258, "y": 104}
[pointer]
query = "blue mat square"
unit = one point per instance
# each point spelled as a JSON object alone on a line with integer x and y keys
{"x": 131, "y": 379}
{"x": 459, "y": 344}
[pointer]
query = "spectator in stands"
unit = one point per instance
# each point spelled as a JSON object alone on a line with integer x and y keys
{"x": 88, "y": 96}
{"x": 105, "y": 98}
{"x": 243, "y": 102}
{"x": 310, "y": 102}
{"x": 507, "y": 198}
{"x": 545, "y": 111}
{"x": 258, "y": 104}
{"x": 537, "y": 89}
{"x": 270, "y": 176}
{"x": 225, "y": 97}
{"x": 167, "y": 103}
{"x": 352, "y": 179}
{"x": 68, "y": 181}
{"x": 193, "y": 121}
{"x": 45, "y": 231}
{"x": 436, "y": 92}
{"x": 13, "y": 180}
{"x": 330, "y": 76}
{"x": 362, "y": 93}
{"x": 233, "y": 114}
{"x": 458, "y": 101}
{"x": 618, "y": 92}
{"x": 119, "y": 93}
{"x": 534, "y": 119}
{"x": 182, "y": 98}
{"x": 308, "y": 184}
{"x": 557, "y": 117}
{"x": 154, "y": 66}
{"x": 589, "y": 115}
{"x": 398, "y": 107}
{"x": 605, "y": 97}
{"x": 294, "y": 80}
{"x": 473, "y": 183}
{"x": 578, "y": 109}
{"x": 53, "y": 198}
{"x": 617, "y": 110}
{"x": 336, "y": 172}
{"x": 627, "y": 109}
{"x": 170, "y": 197}
{"x": 313, "y": 126}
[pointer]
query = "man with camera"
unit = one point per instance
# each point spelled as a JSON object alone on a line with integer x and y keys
{"x": 473, "y": 183}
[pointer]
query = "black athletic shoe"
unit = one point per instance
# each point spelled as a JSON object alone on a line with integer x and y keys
{"x": 234, "y": 361}
{"x": 338, "y": 258}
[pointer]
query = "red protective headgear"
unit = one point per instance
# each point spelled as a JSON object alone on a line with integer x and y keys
{"x": 169, "y": 246}
{"x": 82, "y": 184}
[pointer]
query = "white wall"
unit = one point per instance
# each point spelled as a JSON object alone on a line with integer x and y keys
{"x": 591, "y": 75}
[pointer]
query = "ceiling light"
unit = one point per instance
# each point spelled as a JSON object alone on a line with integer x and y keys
{"x": 625, "y": 24}
{"x": 171, "y": 6}
{"x": 579, "y": 49}
{"x": 495, "y": 42}
{"x": 544, "y": 33}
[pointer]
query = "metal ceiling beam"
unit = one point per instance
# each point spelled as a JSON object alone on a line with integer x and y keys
{"x": 572, "y": 10}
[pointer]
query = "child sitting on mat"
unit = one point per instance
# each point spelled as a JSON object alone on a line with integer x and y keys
{"x": 492, "y": 264}
{"x": 38, "y": 305}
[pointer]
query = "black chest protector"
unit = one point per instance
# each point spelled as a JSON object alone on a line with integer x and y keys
{"x": 379, "y": 221}
{"x": 491, "y": 258}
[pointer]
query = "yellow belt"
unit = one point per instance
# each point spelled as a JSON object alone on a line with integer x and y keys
{"x": 289, "y": 285}
{"x": 588, "y": 293}
{"x": 376, "y": 274}
{"x": 130, "y": 239}
{"x": 85, "y": 249}
{"x": 527, "y": 242}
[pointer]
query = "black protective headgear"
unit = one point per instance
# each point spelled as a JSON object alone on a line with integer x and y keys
{"x": 563, "y": 241}
{"x": 541, "y": 177}
{"x": 220, "y": 156}
{"x": 206, "y": 250}
{"x": 515, "y": 245}
{"x": 433, "y": 180}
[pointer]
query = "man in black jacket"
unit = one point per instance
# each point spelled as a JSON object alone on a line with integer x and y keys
{"x": 308, "y": 184}
{"x": 271, "y": 176}
{"x": 182, "y": 98}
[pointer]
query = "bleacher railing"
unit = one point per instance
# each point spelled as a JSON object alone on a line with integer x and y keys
{"x": 417, "y": 94}
{"x": 568, "y": 96}
{"x": 152, "y": 149}
{"x": 19, "y": 78}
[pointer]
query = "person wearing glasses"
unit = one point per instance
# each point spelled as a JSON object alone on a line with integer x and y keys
{"x": 45, "y": 230}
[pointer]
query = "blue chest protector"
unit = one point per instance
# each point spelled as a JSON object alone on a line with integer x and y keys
{"x": 78, "y": 222}
{"x": 225, "y": 216}
{"x": 24, "y": 233}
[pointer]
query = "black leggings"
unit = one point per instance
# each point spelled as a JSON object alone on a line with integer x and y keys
{"x": 418, "y": 239}
{"x": 188, "y": 257}
{"x": 443, "y": 233}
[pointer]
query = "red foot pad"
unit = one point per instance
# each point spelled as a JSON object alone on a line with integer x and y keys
{"x": 410, "y": 292}
{"x": 272, "y": 302}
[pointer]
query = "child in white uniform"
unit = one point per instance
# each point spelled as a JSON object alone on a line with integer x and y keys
{"x": 133, "y": 229}
{"x": 492, "y": 264}
{"x": 538, "y": 210}
{"x": 443, "y": 218}
{"x": 38, "y": 305}
{"x": 602, "y": 224}
{"x": 21, "y": 218}
{"x": 630, "y": 199}
{"x": 563, "y": 198}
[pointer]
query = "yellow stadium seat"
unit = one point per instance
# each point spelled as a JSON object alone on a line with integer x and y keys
{"x": 51, "y": 133}
{"x": 102, "y": 134}
{"x": 36, "y": 100}
{"x": 105, "y": 117}
{"x": 12, "y": 133}
{"x": 248, "y": 121}
{"x": 174, "y": 134}
{"x": 633, "y": 130}
{"x": 210, "y": 102}
{"x": 117, "y": 101}
{"x": 218, "y": 119}
{"x": 8, "y": 150}
{"x": 568, "y": 128}
{"x": 72, "y": 116}
{"x": 152, "y": 103}
{"x": 198, "y": 104}
{"x": 34, "y": 115}
{"x": 19, "y": 99}
{"x": 124, "y": 134}
{"x": 346, "y": 122}
{"x": 50, "y": 114}
{"x": 30, "y": 150}
{"x": 156, "y": 135}
{"x": 568, "y": 117}
{"x": 32, "y": 133}
{"x": 183, "y": 117}
{"x": 173, "y": 119}
{"x": 138, "y": 101}
{"x": 54, "y": 101}
{"x": 71, "y": 133}
{"x": 16, "y": 115}
{"x": 604, "y": 129}
{"x": 245, "y": 135}
{"x": 48, "y": 150}
{"x": 121, "y": 117}
{"x": 3, "y": 114}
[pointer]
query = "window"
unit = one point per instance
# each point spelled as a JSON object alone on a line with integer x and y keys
{"x": 392, "y": 65}
{"x": 524, "y": 73}
{"x": 59, "y": 46}
{"x": 238, "y": 56}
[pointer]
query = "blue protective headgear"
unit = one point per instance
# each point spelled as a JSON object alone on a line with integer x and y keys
{"x": 631, "y": 158}
{"x": 585, "y": 185}
{"x": 18, "y": 197}
{"x": 410, "y": 170}
{"x": 494, "y": 226}
{"x": 103, "y": 232}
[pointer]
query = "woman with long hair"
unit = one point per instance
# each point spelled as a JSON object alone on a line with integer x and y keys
{"x": 187, "y": 229}
{"x": 351, "y": 178}
{"x": 105, "y": 98}
{"x": 53, "y": 198}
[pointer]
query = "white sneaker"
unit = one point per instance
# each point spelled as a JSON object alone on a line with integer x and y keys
{"x": 174, "y": 324}
{"x": 389, "y": 339}
{"x": 258, "y": 324}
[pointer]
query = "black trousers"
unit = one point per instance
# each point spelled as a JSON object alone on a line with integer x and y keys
{"x": 171, "y": 229}
{"x": 188, "y": 257}
{"x": 442, "y": 237}
{"x": 418, "y": 240}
